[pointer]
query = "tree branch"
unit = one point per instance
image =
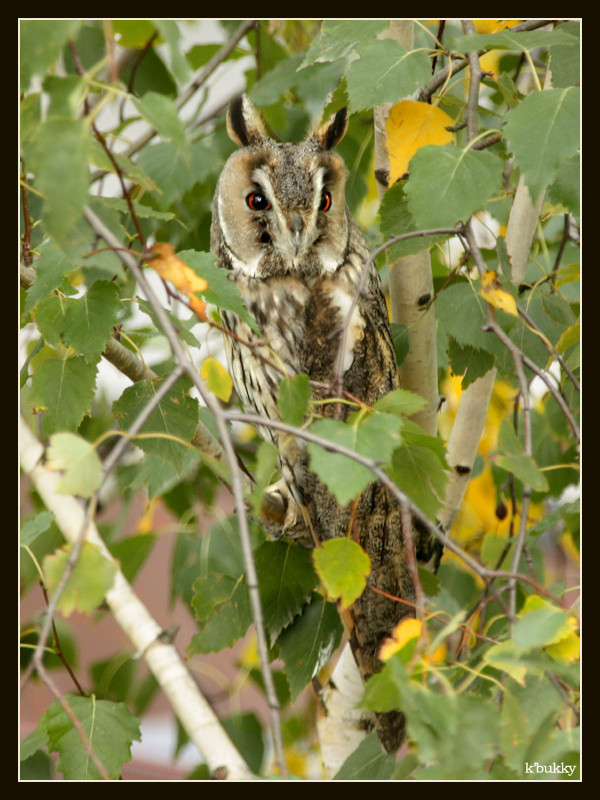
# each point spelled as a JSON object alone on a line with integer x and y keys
{"x": 196, "y": 715}
{"x": 236, "y": 480}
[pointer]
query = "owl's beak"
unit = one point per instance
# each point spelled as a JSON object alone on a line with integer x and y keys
{"x": 296, "y": 226}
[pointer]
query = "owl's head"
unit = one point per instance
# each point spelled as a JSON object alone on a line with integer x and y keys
{"x": 280, "y": 208}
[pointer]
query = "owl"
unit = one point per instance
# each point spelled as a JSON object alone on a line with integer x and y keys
{"x": 282, "y": 229}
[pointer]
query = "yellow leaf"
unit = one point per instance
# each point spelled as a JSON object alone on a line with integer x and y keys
{"x": 568, "y": 338}
{"x": 493, "y": 25}
{"x": 567, "y": 650}
{"x": 404, "y": 631}
{"x": 171, "y": 268}
{"x": 493, "y": 293}
{"x": 410, "y": 126}
{"x": 217, "y": 378}
{"x": 439, "y": 654}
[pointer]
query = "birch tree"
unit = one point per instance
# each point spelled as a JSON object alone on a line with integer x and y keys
{"x": 463, "y": 159}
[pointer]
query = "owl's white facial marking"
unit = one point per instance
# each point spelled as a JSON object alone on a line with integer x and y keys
{"x": 249, "y": 266}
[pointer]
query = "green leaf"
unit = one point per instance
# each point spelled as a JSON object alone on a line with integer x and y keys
{"x": 517, "y": 40}
{"x": 448, "y": 185}
{"x": 376, "y": 438}
{"x": 169, "y": 31}
{"x": 176, "y": 166}
{"x": 419, "y": 469}
{"x": 525, "y": 469}
{"x": 110, "y": 728}
{"x": 354, "y": 31}
{"x": 543, "y": 131}
{"x": 514, "y": 459}
{"x": 34, "y": 527}
{"x": 63, "y": 388}
{"x": 367, "y": 763}
{"x": 286, "y": 579}
{"x": 456, "y": 734}
{"x": 470, "y": 362}
{"x": 400, "y": 338}
{"x": 222, "y": 292}
{"x": 132, "y": 552}
{"x": 276, "y": 82}
{"x": 343, "y": 476}
{"x": 294, "y": 394}
{"x": 337, "y": 38}
{"x": 540, "y": 623}
{"x": 173, "y": 421}
{"x": 343, "y": 567}
{"x": 41, "y": 44}
{"x": 383, "y": 691}
{"x": 246, "y": 733}
{"x": 461, "y": 312}
{"x": 51, "y": 268}
{"x": 309, "y": 642}
{"x": 385, "y": 73}
{"x": 400, "y": 402}
{"x": 78, "y": 459}
{"x": 89, "y": 320}
{"x": 565, "y": 190}
{"x": 66, "y": 94}
{"x": 396, "y": 219}
{"x": 35, "y": 741}
{"x": 129, "y": 169}
{"x": 89, "y": 581}
{"x": 527, "y": 720}
{"x": 182, "y": 331}
{"x": 60, "y": 160}
{"x": 222, "y": 608}
{"x": 160, "y": 112}
{"x": 564, "y": 60}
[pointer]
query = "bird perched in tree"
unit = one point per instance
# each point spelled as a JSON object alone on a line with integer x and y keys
{"x": 282, "y": 228}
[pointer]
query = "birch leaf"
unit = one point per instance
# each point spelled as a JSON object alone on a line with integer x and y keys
{"x": 217, "y": 378}
{"x": 492, "y": 291}
{"x": 410, "y": 126}
{"x": 344, "y": 567}
{"x": 173, "y": 269}
{"x": 79, "y": 461}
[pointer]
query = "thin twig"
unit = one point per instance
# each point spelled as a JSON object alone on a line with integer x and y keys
{"x": 236, "y": 482}
{"x": 474, "y": 81}
{"x": 517, "y": 357}
{"x": 117, "y": 451}
{"x": 58, "y": 648}
{"x": 196, "y": 84}
{"x": 561, "y": 248}
{"x": 456, "y": 65}
{"x": 551, "y": 350}
{"x": 37, "y": 661}
{"x": 379, "y": 473}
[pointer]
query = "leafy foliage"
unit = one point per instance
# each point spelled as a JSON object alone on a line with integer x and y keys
{"x": 488, "y": 678}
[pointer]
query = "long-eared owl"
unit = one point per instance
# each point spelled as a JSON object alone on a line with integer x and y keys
{"x": 282, "y": 228}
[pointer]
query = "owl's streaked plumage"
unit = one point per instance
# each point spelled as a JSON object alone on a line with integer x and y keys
{"x": 282, "y": 228}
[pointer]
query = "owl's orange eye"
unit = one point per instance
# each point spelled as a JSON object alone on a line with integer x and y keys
{"x": 325, "y": 201}
{"x": 258, "y": 202}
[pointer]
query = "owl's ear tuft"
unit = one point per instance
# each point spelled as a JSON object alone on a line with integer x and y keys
{"x": 333, "y": 131}
{"x": 244, "y": 123}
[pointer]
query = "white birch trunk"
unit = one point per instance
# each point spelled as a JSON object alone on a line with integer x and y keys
{"x": 196, "y": 715}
